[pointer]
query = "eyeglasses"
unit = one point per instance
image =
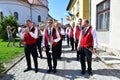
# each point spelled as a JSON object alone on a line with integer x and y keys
{"x": 49, "y": 22}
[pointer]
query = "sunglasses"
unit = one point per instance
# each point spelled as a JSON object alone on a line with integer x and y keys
{"x": 49, "y": 22}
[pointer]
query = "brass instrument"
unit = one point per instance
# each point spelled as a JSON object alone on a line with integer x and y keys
{"x": 51, "y": 39}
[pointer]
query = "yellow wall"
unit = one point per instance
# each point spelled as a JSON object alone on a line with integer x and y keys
{"x": 86, "y": 9}
{"x": 83, "y": 9}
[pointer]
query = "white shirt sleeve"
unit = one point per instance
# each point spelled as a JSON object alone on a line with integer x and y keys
{"x": 58, "y": 36}
{"x": 95, "y": 43}
{"x": 35, "y": 34}
{"x": 62, "y": 31}
{"x": 79, "y": 40}
{"x": 74, "y": 33}
{"x": 43, "y": 39}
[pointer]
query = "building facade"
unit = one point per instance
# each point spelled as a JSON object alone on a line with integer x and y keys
{"x": 105, "y": 17}
{"x": 79, "y": 8}
{"x": 35, "y": 10}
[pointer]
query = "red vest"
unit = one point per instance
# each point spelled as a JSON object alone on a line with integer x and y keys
{"x": 60, "y": 33}
{"x": 77, "y": 34}
{"x": 47, "y": 37}
{"x": 87, "y": 39}
{"x": 28, "y": 39}
{"x": 71, "y": 32}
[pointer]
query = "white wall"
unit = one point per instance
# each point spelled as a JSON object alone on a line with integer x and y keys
{"x": 115, "y": 24}
{"x": 9, "y": 6}
{"x": 110, "y": 40}
{"x": 37, "y": 10}
{"x": 23, "y": 10}
{"x": 103, "y": 36}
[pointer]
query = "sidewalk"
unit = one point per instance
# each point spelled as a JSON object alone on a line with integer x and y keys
{"x": 68, "y": 69}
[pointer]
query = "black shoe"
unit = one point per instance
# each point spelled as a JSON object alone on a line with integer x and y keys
{"x": 36, "y": 70}
{"x": 27, "y": 69}
{"x": 59, "y": 58}
{"x": 77, "y": 59}
{"x": 82, "y": 72}
{"x": 54, "y": 70}
{"x": 72, "y": 49}
{"x": 49, "y": 70}
{"x": 90, "y": 73}
{"x": 41, "y": 57}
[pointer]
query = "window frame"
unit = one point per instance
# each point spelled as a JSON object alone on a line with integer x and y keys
{"x": 1, "y": 15}
{"x": 39, "y": 18}
{"x": 103, "y": 11}
{"x": 16, "y": 15}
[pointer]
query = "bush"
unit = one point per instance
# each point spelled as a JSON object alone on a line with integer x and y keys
{"x": 7, "y": 21}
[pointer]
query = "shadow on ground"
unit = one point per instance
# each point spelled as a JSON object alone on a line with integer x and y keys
{"x": 108, "y": 72}
{"x": 66, "y": 73}
{"x": 6, "y": 77}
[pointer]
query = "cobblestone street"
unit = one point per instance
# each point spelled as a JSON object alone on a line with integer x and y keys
{"x": 68, "y": 69}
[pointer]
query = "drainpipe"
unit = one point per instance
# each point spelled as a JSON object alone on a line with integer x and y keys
{"x": 31, "y": 10}
{"x": 90, "y": 12}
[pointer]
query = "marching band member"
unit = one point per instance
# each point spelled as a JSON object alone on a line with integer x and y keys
{"x": 71, "y": 35}
{"x": 49, "y": 42}
{"x": 61, "y": 33}
{"x": 30, "y": 36}
{"x": 88, "y": 44}
{"x": 77, "y": 30}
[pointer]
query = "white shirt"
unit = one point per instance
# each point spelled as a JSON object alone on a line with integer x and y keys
{"x": 35, "y": 34}
{"x": 62, "y": 31}
{"x": 55, "y": 40}
{"x": 95, "y": 43}
{"x": 20, "y": 33}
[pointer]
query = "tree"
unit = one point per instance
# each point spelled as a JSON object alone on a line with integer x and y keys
{"x": 4, "y": 22}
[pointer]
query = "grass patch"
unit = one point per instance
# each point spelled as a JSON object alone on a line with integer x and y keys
{"x": 8, "y": 53}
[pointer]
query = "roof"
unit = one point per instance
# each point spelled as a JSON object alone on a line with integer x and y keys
{"x": 71, "y": 2}
{"x": 35, "y": 2}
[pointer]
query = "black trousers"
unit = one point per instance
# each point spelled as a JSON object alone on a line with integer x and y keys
{"x": 72, "y": 43}
{"x": 50, "y": 56}
{"x": 86, "y": 55}
{"x": 78, "y": 52}
{"x": 38, "y": 44}
{"x": 31, "y": 49}
{"x": 59, "y": 45}
{"x": 68, "y": 40}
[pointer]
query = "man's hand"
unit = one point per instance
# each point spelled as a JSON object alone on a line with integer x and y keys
{"x": 26, "y": 30}
{"x": 44, "y": 49}
{"x": 94, "y": 50}
{"x": 78, "y": 49}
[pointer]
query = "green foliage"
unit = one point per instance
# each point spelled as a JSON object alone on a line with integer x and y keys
{"x": 9, "y": 53}
{"x": 7, "y": 21}
{"x": 1, "y": 67}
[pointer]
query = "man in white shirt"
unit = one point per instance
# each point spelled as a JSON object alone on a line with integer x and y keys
{"x": 30, "y": 36}
{"x": 49, "y": 42}
{"x": 88, "y": 44}
{"x": 61, "y": 33}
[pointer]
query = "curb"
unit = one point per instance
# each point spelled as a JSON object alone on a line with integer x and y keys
{"x": 11, "y": 66}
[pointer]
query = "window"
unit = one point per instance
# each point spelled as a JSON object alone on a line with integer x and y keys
{"x": 39, "y": 18}
{"x": 1, "y": 15}
{"x": 16, "y": 15}
{"x": 103, "y": 16}
{"x": 78, "y": 6}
